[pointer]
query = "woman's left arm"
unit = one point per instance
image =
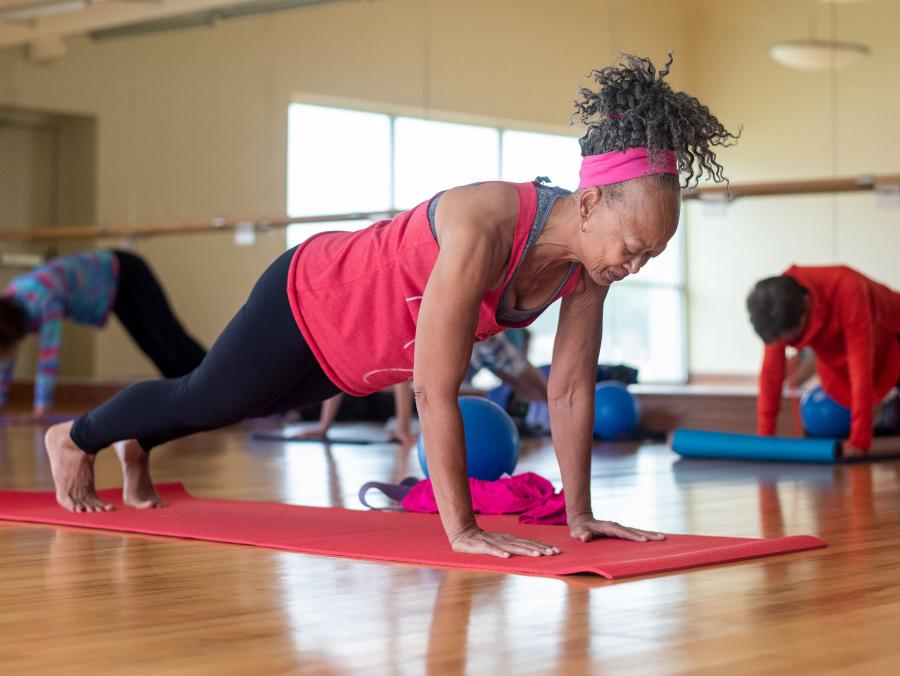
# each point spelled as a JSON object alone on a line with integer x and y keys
{"x": 570, "y": 395}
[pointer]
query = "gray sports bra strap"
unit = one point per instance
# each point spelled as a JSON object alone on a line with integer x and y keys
{"x": 506, "y": 313}
{"x": 432, "y": 208}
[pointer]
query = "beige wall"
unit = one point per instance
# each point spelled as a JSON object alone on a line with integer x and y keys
{"x": 193, "y": 123}
{"x": 7, "y": 74}
{"x": 76, "y": 202}
{"x": 788, "y": 134}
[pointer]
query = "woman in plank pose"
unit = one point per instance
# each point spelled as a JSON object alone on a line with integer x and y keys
{"x": 407, "y": 298}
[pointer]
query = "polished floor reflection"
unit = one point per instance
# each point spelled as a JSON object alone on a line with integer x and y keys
{"x": 74, "y": 601}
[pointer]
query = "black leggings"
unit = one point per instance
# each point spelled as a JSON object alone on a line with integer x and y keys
{"x": 260, "y": 365}
{"x": 144, "y": 311}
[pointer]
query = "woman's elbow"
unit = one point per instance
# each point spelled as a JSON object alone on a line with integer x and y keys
{"x": 431, "y": 395}
{"x": 567, "y": 397}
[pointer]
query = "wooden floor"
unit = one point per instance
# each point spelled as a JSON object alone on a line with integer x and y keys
{"x": 80, "y": 602}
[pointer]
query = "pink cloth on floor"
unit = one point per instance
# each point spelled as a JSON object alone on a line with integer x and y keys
{"x": 528, "y": 494}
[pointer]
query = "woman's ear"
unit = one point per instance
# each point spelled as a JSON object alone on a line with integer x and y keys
{"x": 589, "y": 201}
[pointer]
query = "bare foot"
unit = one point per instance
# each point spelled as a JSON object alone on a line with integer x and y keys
{"x": 73, "y": 472}
{"x": 138, "y": 490}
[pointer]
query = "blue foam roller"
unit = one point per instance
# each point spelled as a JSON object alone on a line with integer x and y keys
{"x": 721, "y": 445}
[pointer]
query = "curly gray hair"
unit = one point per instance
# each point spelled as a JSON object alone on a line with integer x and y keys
{"x": 634, "y": 107}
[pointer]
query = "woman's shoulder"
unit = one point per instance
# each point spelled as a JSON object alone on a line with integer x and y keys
{"x": 488, "y": 204}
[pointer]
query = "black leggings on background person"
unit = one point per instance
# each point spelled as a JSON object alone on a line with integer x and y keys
{"x": 142, "y": 307}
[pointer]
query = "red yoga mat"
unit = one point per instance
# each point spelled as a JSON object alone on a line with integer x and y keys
{"x": 391, "y": 536}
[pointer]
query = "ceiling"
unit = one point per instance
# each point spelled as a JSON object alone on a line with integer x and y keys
{"x": 43, "y": 25}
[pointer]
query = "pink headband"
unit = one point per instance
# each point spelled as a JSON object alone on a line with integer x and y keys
{"x": 616, "y": 167}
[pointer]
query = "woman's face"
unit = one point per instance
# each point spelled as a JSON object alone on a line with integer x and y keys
{"x": 620, "y": 234}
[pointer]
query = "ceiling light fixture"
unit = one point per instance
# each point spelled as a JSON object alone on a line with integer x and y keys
{"x": 817, "y": 55}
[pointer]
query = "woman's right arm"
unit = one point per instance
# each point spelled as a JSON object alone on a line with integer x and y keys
{"x": 469, "y": 263}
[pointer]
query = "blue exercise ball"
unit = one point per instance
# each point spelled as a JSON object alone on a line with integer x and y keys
{"x": 616, "y": 411}
{"x": 492, "y": 440}
{"x": 823, "y": 416}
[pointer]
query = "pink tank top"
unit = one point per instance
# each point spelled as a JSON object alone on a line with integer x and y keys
{"x": 356, "y": 295}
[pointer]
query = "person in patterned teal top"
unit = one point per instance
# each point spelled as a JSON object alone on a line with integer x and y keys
{"x": 85, "y": 288}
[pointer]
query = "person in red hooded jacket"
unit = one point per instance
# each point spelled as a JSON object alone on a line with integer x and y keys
{"x": 851, "y": 323}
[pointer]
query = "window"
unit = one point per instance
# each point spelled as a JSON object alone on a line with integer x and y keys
{"x": 527, "y": 155}
{"x": 330, "y": 150}
{"x": 347, "y": 161}
{"x": 433, "y": 156}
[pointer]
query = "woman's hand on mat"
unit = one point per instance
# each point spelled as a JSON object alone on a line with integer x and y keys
{"x": 588, "y": 528}
{"x": 502, "y": 545}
